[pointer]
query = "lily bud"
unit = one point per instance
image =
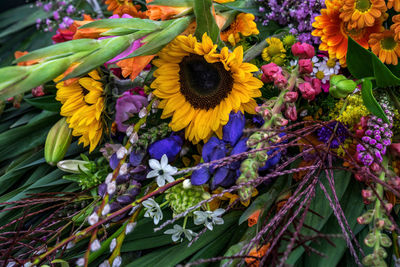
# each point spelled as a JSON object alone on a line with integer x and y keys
{"x": 57, "y": 142}
{"x": 73, "y": 166}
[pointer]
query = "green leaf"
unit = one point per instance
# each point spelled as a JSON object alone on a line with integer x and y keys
{"x": 63, "y": 263}
{"x": 359, "y": 60}
{"x": 205, "y": 20}
{"x": 131, "y": 23}
{"x": 264, "y": 201}
{"x": 384, "y": 77}
{"x": 370, "y": 101}
{"x": 47, "y": 102}
{"x": 156, "y": 41}
{"x": 173, "y": 3}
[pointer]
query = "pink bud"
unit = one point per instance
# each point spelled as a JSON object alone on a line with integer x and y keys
{"x": 366, "y": 193}
{"x": 361, "y": 220}
{"x": 279, "y": 81}
{"x": 303, "y": 50}
{"x": 375, "y": 167}
{"x": 291, "y": 96}
{"x": 305, "y": 66}
{"x": 269, "y": 71}
{"x": 291, "y": 112}
{"x": 284, "y": 122}
{"x": 307, "y": 91}
{"x": 316, "y": 84}
{"x": 38, "y": 91}
{"x": 266, "y": 113}
{"x": 389, "y": 207}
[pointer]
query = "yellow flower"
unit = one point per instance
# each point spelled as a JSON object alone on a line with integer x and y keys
{"x": 83, "y": 103}
{"x": 275, "y": 52}
{"x": 200, "y": 87}
{"x": 243, "y": 25}
{"x": 353, "y": 111}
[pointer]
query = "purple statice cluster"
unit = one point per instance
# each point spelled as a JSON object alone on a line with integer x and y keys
{"x": 61, "y": 14}
{"x": 325, "y": 134}
{"x": 377, "y": 138}
{"x": 297, "y": 15}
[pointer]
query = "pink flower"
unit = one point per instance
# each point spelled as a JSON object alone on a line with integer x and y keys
{"x": 291, "y": 96}
{"x": 291, "y": 112}
{"x": 303, "y": 50}
{"x": 305, "y": 66}
{"x": 279, "y": 80}
{"x": 269, "y": 71}
{"x": 307, "y": 91}
{"x": 127, "y": 106}
{"x": 316, "y": 84}
{"x": 38, "y": 91}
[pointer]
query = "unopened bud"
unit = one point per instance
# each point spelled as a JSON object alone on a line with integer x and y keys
{"x": 385, "y": 240}
{"x": 370, "y": 239}
{"x": 340, "y": 86}
{"x": 57, "y": 142}
{"x": 73, "y": 166}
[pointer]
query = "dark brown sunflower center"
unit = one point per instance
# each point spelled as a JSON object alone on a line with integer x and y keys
{"x": 204, "y": 84}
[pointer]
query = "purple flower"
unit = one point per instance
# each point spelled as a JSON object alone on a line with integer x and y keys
{"x": 56, "y": 15}
{"x": 47, "y": 7}
{"x": 170, "y": 146}
{"x": 326, "y": 132}
{"x": 70, "y": 9}
{"x": 128, "y": 105}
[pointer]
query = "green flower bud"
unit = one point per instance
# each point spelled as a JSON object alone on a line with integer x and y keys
{"x": 57, "y": 142}
{"x": 381, "y": 253}
{"x": 340, "y": 86}
{"x": 370, "y": 239}
{"x": 289, "y": 40}
{"x": 180, "y": 199}
{"x": 385, "y": 240}
{"x": 73, "y": 166}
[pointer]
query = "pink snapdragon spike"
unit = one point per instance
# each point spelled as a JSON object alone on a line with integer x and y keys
{"x": 307, "y": 91}
{"x": 305, "y": 66}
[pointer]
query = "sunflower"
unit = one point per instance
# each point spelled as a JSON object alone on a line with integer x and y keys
{"x": 243, "y": 25}
{"x": 200, "y": 86}
{"x": 362, "y": 13}
{"x": 83, "y": 103}
{"x": 334, "y": 32}
{"x": 121, "y": 7}
{"x": 275, "y": 52}
{"x": 385, "y": 47}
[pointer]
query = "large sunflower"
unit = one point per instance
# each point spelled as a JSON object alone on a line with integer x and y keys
{"x": 200, "y": 86}
{"x": 83, "y": 103}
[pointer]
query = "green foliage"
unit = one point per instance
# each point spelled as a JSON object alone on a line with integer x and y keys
{"x": 205, "y": 20}
{"x": 370, "y": 101}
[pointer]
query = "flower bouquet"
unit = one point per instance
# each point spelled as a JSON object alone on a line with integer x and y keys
{"x": 200, "y": 133}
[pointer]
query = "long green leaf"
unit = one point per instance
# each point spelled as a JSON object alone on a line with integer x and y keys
{"x": 370, "y": 101}
{"x": 384, "y": 77}
{"x": 47, "y": 102}
{"x": 174, "y": 3}
{"x": 359, "y": 60}
{"x": 205, "y": 20}
{"x": 132, "y": 23}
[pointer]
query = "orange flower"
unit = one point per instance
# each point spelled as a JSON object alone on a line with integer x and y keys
{"x": 133, "y": 66}
{"x": 156, "y": 12}
{"x": 362, "y": 13}
{"x": 121, "y": 7}
{"x": 395, "y": 27}
{"x": 243, "y": 25}
{"x": 224, "y": 1}
{"x": 334, "y": 32}
{"x": 91, "y": 33}
{"x": 395, "y": 4}
{"x": 385, "y": 47}
{"x": 253, "y": 219}
{"x": 19, "y": 54}
{"x": 259, "y": 253}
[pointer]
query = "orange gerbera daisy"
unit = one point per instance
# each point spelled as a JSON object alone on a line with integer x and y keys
{"x": 385, "y": 47}
{"x": 334, "y": 32}
{"x": 362, "y": 13}
{"x": 243, "y": 25}
{"x": 121, "y": 7}
{"x": 395, "y": 4}
{"x": 395, "y": 27}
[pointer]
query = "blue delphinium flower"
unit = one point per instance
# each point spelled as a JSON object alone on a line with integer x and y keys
{"x": 169, "y": 146}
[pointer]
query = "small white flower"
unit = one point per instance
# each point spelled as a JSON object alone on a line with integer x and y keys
{"x": 162, "y": 170}
{"x": 124, "y": 169}
{"x": 129, "y": 228}
{"x": 117, "y": 262}
{"x": 80, "y": 262}
{"x": 11, "y": 264}
{"x": 208, "y": 218}
{"x": 129, "y": 131}
{"x": 178, "y": 233}
{"x": 111, "y": 187}
{"x": 113, "y": 244}
{"x": 28, "y": 264}
{"x": 94, "y": 218}
{"x": 70, "y": 245}
{"x": 121, "y": 152}
{"x": 143, "y": 112}
{"x": 153, "y": 210}
{"x": 150, "y": 97}
{"x": 95, "y": 245}
{"x": 104, "y": 264}
{"x": 133, "y": 138}
{"x": 105, "y": 210}
{"x": 109, "y": 178}
{"x": 187, "y": 184}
